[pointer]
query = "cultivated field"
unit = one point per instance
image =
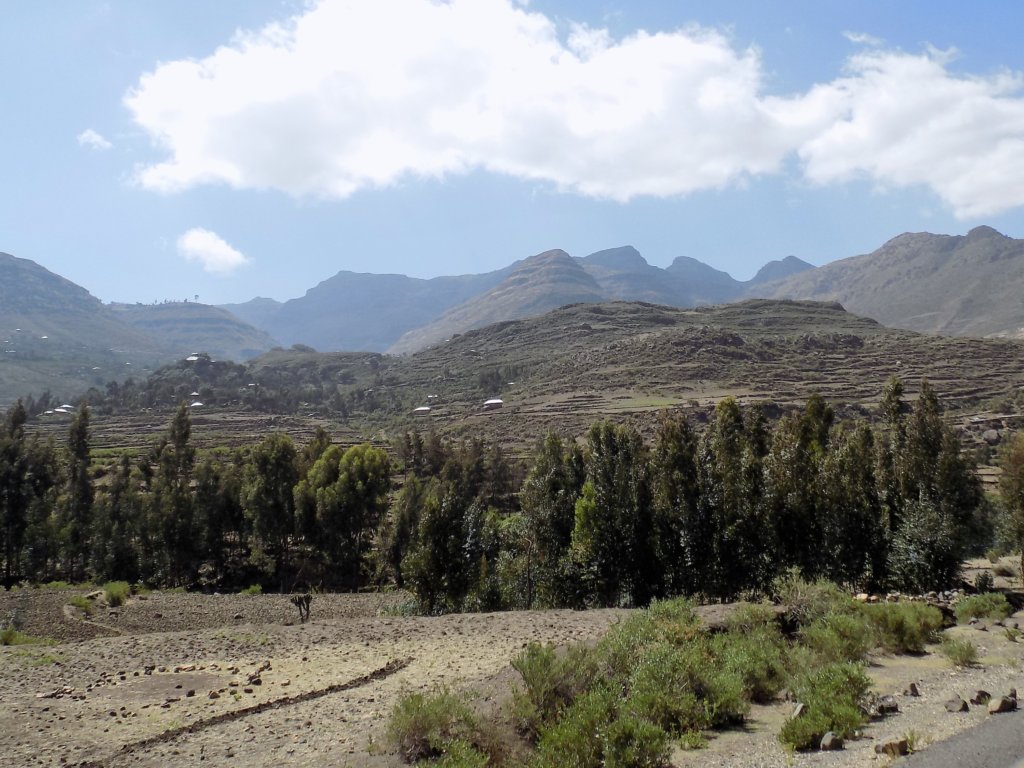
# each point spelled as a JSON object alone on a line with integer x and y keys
{"x": 178, "y": 679}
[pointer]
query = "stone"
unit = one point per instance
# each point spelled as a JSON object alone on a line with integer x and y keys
{"x": 893, "y": 747}
{"x": 912, "y": 690}
{"x": 981, "y": 698}
{"x": 213, "y": 695}
{"x": 991, "y": 436}
{"x": 238, "y": 617}
{"x": 956, "y": 704}
{"x": 1002, "y": 704}
{"x": 887, "y": 705}
{"x": 862, "y": 597}
{"x": 831, "y": 741}
{"x": 798, "y": 710}
{"x": 1013, "y": 694}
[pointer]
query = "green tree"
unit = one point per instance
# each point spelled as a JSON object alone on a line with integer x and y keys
{"x": 676, "y": 493}
{"x": 346, "y": 493}
{"x": 78, "y": 500}
{"x": 268, "y": 482}
{"x": 171, "y": 502}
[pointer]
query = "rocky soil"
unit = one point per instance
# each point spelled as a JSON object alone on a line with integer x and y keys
{"x": 235, "y": 680}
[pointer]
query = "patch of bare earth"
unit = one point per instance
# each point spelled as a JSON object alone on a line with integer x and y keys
{"x": 255, "y": 691}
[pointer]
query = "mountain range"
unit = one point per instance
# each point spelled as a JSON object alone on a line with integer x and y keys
{"x": 56, "y": 336}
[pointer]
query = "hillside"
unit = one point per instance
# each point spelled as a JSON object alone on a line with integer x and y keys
{"x": 967, "y": 285}
{"x": 536, "y": 285}
{"x": 55, "y": 336}
{"x": 360, "y": 311}
{"x": 564, "y": 369}
{"x": 188, "y": 327}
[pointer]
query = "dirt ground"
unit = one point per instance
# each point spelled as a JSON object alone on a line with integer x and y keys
{"x": 229, "y": 680}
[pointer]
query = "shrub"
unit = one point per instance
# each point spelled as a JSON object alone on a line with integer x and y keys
{"x": 809, "y": 601}
{"x": 831, "y": 696}
{"x": 960, "y": 651}
{"x": 551, "y": 682}
{"x": 838, "y": 637}
{"x": 83, "y": 603}
{"x": 749, "y": 617}
{"x": 758, "y": 657}
{"x": 904, "y": 627}
{"x": 984, "y": 581}
{"x": 991, "y": 605}
{"x": 11, "y": 636}
{"x": 252, "y": 589}
{"x": 576, "y": 739}
{"x": 116, "y": 592}
{"x": 634, "y": 743}
{"x": 685, "y": 688}
{"x": 426, "y": 725}
{"x": 693, "y": 740}
{"x": 462, "y": 754}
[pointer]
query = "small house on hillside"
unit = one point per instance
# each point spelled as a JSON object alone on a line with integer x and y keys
{"x": 493, "y": 404}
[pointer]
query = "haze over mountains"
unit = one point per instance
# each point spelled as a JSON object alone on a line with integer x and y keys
{"x": 68, "y": 340}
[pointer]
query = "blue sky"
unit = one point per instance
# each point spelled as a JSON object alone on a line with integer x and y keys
{"x": 160, "y": 150}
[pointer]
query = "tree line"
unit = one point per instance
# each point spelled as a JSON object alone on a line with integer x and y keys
{"x": 608, "y": 519}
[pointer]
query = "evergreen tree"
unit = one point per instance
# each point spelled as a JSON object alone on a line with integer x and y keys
{"x": 79, "y": 496}
{"x": 268, "y": 482}
{"x": 676, "y": 494}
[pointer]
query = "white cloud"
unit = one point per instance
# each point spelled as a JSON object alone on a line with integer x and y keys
{"x": 93, "y": 140}
{"x": 862, "y": 38}
{"x": 355, "y": 94}
{"x": 210, "y": 250}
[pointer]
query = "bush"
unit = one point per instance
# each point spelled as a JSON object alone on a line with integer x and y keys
{"x": 831, "y": 696}
{"x": 11, "y": 636}
{"x": 116, "y": 592}
{"x": 960, "y": 651}
{"x": 904, "y": 627}
{"x": 551, "y": 682}
{"x": 576, "y": 739}
{"x": 984, "y": 581}
{"x": 252, "y": 589}
{"x": 758, "y": 657}
{"x": 83, "y": 603}
{"x": 685, "y": 688}
{"x": 427, "y": 725}
{"x": 991, "y": 605}
{"x": 634, "y": 743}
{"x": 462, "y": 754}
{"x": 809, "y": 601}
{"x": 838, "y": 637}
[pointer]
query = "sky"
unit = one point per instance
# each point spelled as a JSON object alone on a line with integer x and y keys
{"x": 154, "y": 150}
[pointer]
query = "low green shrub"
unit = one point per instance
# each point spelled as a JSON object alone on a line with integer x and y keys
{"x": 831, "y": 696}
{"x": 758, "y": 656}
{"x": 904, "y": 627}
{"x": 685, "y": 688}
{"x": 116, "y": 592}
{"x": 991, "y": 605}
{"x": 461, "y": 754}
{"x": 750, "y": 617}
{"x": 959, "y": 650}
{"x": 252, "y": 589}
{"x": 838, "y": 637}
{"x": 83, "y": 603}
{"x": 551, "y": 682}
{"x": 576, "y": 739}
{"x": 630, "y": 742}
{"x": 11, "y": 636}
{"x": 426, "y": 725}
{"x": 809, "y": 601}
{"x": 984, "y": 581}
{"x": 693, "y": 740}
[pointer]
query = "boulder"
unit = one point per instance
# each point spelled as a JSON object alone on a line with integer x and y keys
{"x": 893, "y": 747}
{"x": 887, "y": 705}
{"x": 912, "y": 690}
{"x": 956, "y": 704}
{"x": 991, "y": 436}
{"x": 831, "y": 741}
{"x": 1002, "y": 704}
{"x": 981, "y": 698}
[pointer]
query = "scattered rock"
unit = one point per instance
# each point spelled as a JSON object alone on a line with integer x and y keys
{"x": 981, "y": 698}
{"x": 991, "y": 436}
{"x": 956, "y": 704}
{"x": 831, "y": 741}
{"x": 213, "y": 695}
{"x": 1002, "y": 704}
{"x": 798, "y": 710}
{"x": 893, "y": 747}
{"x": 238, "y": 617}
{"x": 912, "y": 690}
{"x": 887, "y": 705}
